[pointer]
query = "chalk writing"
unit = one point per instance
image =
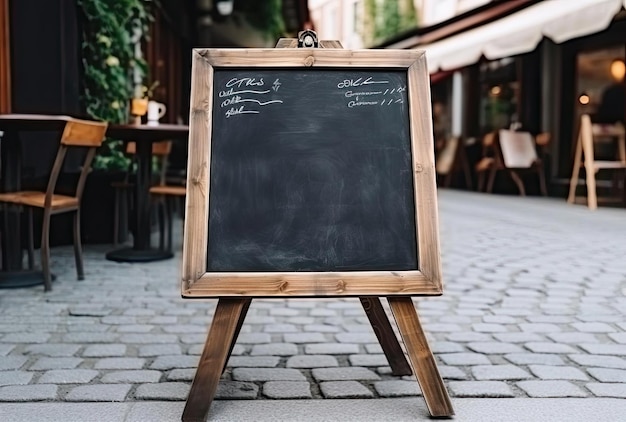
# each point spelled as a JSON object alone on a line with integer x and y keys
{"x": 247, "y": 95}
{"x": 364, "y": 97}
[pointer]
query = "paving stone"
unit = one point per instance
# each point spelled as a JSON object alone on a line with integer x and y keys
{"x": 267, "y": 374}
{"x": 321, "y": 328}
{"x": 607, "y": 389}
{"x": 599, "y": 361}
{"x": 397, "y": 388}
{"x": 274, "y": 349}
{"x": 573, "y": 337}
{"x": 312, "y": 361}
{"x": 254, "y": 338}
{"x": 593, "y": 327}
{"x": 331, "y": 349}
{"x": 534, "y": 359}
{"x": 558, "y": 372}
{"x": 132, "y": 377}
{"x": 452, "y": 373}
{"x": 540, "y": 328}
{"x": 344, "y": 373}
{"x": 181, "y": 374}
{"x": 299, "y": 338}
{"x": 499, "y": 372}
{"x": 344, "y": 390}
{"x": 287, "y": 390}
{"x": 480, "y": 389}
{"x": 368, "y": 337}
{"x": 104, "y": 350}
{"x": 136, "y": 328}
{"x": 446, "y": 347}
{"x": 163, "y": 391}
{"x": 468, "y": 337}
{"x": 151, "y": 350}
{"x": 68, "y": 376}
{"x": 90, "y": 338}
{"x": 368, "y": 360}
{"x": 148, "y": 338}
{"x": 120, "y": 363}
{"x": 280, "y": 328}
{"x": 464, "y": 359}
{"x": 25, "y": 338}
{"x": 43, "y": 364}
{"x": 5, "y": 349}
{"x": 546, "y": 347}
{"x": 12, "y": 362}
{"x": 15, "y": 377}
{"x": 546, "y": 389}
{"x": 171, "y": 362}
{"x": 494, "y": 347}
{"x": 608, "y": 374}
{"x": 253, "y": 361}
{"x": 618, "y": 337}
{"x": 518, "y": 337}
{"x": 604, "y": 349}
{"x": 52, "y": 350}
{"x": 28, "y": 393}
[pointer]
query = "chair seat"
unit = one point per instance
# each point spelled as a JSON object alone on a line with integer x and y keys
{"x": 485, "y": 163}
{"x": 168, "y": 190}
{"x": 38, "y": 199}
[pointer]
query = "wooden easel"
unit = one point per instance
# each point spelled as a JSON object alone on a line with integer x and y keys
{"x": 584, "y": 157}
{"x": 232, "y": 308}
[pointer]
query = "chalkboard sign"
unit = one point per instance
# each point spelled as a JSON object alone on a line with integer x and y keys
{"x": 311, "y": 172}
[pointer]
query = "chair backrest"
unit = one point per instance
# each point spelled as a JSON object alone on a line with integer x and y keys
{"x": 518, "y": 148}
{"x": 445, "y": 159}
{"x": 77, "y": 133}
{"x": 161, "y": 150}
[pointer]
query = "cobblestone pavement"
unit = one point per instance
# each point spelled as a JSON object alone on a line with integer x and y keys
{"x": 534, "y": 306}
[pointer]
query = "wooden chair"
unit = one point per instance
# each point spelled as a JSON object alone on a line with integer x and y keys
{"x": 516, "y": 153}
{"x": 584, "y": 157}
{"x": 76, "y": 134}
{"x": 452, "y": 159}
{"x": 124, "y": 189}
{"x": 164, "y": 194}
{"x": 487, "y": 164}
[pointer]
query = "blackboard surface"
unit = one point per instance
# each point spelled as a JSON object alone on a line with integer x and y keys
{"x": 311, "y": 171}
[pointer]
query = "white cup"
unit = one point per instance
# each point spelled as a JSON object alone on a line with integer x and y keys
{"x": 156, "y": 110}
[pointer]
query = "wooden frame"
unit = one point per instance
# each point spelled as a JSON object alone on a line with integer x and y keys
{"x": 197, "y": 282}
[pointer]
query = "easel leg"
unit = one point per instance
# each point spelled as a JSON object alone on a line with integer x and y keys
{"x": 244, "y": 312}
{"x": 214, "y": 356}
{"x": 422, "y": 359}
{"x": 386, "y": 337}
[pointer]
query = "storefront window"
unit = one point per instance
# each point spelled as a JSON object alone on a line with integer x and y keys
{"x": 600, "y": 85}
{"x": 499, "y": 95}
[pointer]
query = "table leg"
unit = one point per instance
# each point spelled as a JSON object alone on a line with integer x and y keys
{"x": 141, "y": 250}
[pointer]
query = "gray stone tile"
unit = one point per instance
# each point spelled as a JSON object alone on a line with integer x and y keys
{"x": 480, "y": 389}
{"x": 267, "y": 374}
{"x": 25, "y": 338}
{"x": 608, "y": 374}
{"x": 344, "y": 374}
{"x": 534, "y": 359}
{"x": 617, "y": 390}
{"x": 120, "y": 363}
{"x": 43, "y": 364}
{"x": 368, "y": 360}
{"x": 68, "y": 376}
{"x": 599, "y": 361}
{"x": 28, "y": 393}
{"x": 171, "y": 362}
{"x": 573, "y": 337}
{"x": 131, "y": 377}
{"x": 312, "y": 361}
{"x": 397, "y": 388}
{"x": 345, "y": 390}
{"x": 151, "y": 350}
{"x": 499, "y": 373}
{"x": 331, "y": 349}
{"x": 253, "y": 361}
{"x": 548, "y": 372}
{"x": 300, "y": 338}
{"x": 287, "y": 390}
{"x": 491, "y": 348}
{"x": 546, "y": 347}
{"x": 163, "y": 391}
{"x": 12, "y": 362}
{"x": 452, "y": 373}
{"x": 464, "y": 359}
{"x": 593, "y": 327}
{"x": 604, "y": 349}
{"x": 546, "y": 389}
{"x": 518, "y": 337}
{"x": 274, "y": 349}
{"x": 104, "y": 350}
{"x": 52, "y": 350}
{"x": 15, "y": 377}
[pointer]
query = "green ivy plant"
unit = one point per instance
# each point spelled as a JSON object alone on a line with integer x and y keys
{"x": 111, "y": 28}
{"x": 385, "y": 19}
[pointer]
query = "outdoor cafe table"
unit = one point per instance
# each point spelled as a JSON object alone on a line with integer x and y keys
{"x": 144, "y": 136}
{"x": 13, "y": 274}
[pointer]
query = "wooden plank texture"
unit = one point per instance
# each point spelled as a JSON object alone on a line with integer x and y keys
{"x": 220, "y": 339}
{"x": 421, "y": 358}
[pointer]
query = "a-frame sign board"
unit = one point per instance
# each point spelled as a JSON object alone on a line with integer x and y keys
{"x": 311, "y": 174}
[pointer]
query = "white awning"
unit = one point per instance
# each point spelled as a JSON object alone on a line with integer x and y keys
{"x": 520, "y": 32}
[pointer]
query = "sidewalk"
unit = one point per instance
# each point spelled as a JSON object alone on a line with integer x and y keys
{"x": 532, "y": 326}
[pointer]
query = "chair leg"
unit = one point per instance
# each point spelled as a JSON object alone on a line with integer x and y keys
{"x": 518, "y": 181}
{"x": 480, "y": 182}
{"x": 542, "y": 183}
{"x": 78, "y": 249}
{"x": 492, "y": 177}
{"x": 45, "y": 251}
{"x": 160, "y": 206}
{"x": 31, "y": 240}
{"x": 169, "y": 206}
{"x": 116, "y": 217}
